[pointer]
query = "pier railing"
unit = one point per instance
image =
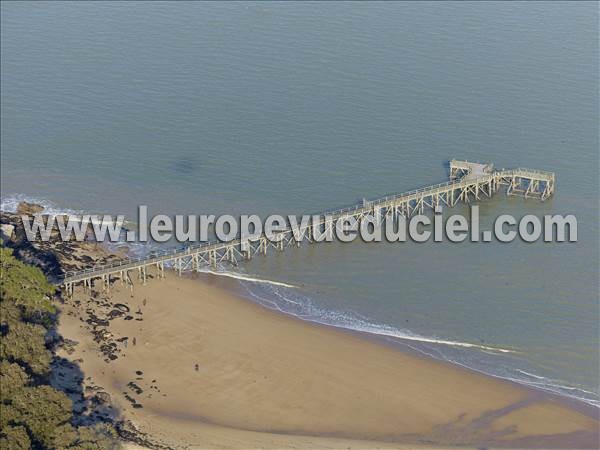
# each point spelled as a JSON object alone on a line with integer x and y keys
{"x": 496, "y": 177}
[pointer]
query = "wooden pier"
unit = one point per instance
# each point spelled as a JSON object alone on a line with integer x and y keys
{"x": 468, "y": 182}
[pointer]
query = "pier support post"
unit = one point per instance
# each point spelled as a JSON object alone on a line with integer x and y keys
{"x": 106, "y": 283}
{"x": 377, "y": 215}
{"x": 246, "y": 249}
{"x": 263, "y": 246}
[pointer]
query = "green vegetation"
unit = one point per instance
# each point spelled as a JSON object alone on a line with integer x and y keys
{"x": 32, "y": 413}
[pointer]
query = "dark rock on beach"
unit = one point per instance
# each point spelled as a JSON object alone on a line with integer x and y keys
{"x": 103, "y": 397}
{"x": 115, "y": 313}
{"x": 121, "y": 307}
{"x": 135, "y": 388}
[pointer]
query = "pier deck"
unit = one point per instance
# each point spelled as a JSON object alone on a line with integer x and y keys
{"x": 468, "y": 182}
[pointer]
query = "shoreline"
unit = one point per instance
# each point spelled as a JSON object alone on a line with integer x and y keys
{"x": 399, "y": 344}
{"x": 107, "y": 344}
{"x": 104, "y": 252}
{"x": 402, "y": 344}
{"x": 531, "y": 412}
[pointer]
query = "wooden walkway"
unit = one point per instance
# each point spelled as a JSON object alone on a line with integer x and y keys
{"x": 468, "y": 182}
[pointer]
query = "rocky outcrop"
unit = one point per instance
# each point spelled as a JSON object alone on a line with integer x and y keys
{"x": 54, "y": 257}
{"x": 29, "y": 209}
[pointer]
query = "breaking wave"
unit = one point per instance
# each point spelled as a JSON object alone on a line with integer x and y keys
{"x": 10, "y": 204}
{"x": 491, "y": 360}
{"x": 239, "y": 276}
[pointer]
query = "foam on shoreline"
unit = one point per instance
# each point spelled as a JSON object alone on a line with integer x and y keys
{"x": 423, "y": 344}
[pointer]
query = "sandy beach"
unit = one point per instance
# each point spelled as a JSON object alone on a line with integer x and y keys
{"x": 194, "y": 365}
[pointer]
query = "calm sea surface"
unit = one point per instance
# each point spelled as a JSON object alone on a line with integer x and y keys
{"x": 237, "y": 108}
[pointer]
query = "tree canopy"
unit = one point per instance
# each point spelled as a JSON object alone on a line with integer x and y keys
{"x": 33, "y": 414}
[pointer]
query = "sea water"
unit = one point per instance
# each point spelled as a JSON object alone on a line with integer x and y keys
{"x": 239, "y": 108}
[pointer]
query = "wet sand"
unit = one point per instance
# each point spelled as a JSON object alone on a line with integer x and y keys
{"x": 210, "y": 369}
